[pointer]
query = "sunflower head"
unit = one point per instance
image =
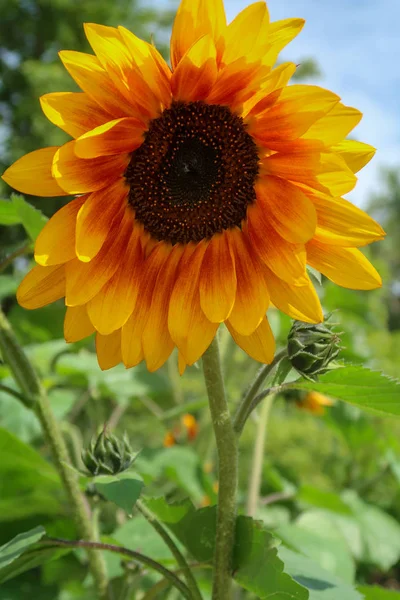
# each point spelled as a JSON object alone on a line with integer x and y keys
{"x": 200, "y": 190}
{"x": 312, "y": 348}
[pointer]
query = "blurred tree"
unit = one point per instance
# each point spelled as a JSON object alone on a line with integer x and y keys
{"x": 385, "y": 207}
{"x": 307, "y": 68}
{"x": 31, "y": 33}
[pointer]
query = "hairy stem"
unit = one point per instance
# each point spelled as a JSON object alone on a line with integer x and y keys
{"x": 227, "y": 448}
{"x": 258, "y": 457}
{"x": 246, "y": 405}
{"x": 137, "y": 556}
{"x": 37, "y": 399}
{"x": 180, "y": 559}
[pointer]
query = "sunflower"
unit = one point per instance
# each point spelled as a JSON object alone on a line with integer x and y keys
{"x": 202, "y": 190}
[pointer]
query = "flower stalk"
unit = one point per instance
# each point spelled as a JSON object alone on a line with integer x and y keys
{"x": 227, "y": 449}
{"x": 37, "y": 399}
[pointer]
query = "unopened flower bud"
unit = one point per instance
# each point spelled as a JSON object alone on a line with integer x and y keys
{"x": 312, "y": 348}
{"x": 108, "y": 455}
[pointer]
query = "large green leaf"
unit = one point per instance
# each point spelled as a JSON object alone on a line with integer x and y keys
{"x": 123, "y": 489}
{"x": 257, "y": 565}
{"x": 32, "y": 219}
{"x": 29, "y": 485}
{"x": 367, "y": 389}
{"x": 321, "y": 584}
{"x": 373, "y": 592}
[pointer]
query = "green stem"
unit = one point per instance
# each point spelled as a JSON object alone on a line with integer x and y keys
{"x": 11, "y": 257}
{"x": 180, "y": 559}
{"x": 246, "y": 405}
{"x": 25, "y": 401}
{"x": 25, "y": 376}
{"x": 175, "y": 379}
{"x": 141, "y": 558}
{"x": 258, "y": 457}
{"x": 227, "y": 448}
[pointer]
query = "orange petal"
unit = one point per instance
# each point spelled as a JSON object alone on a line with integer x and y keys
{"x": 114, "y": 137}
{"x": 55, "y": 244}
{"x": 77, "y": 175}
{"x": 85, "y": 280}
{"x": 196, "y": 73}
{"x": 355, "y": 154}
{"x": 347, "y": 267}
{"x": 191, "y": 331}
{"x": 181, "y": 364}
{"x": 233, "y": 81}
{"x": 287, "y": 209}
{"x": 260, "y": 345}
{"x": 31, "y": 174}
{"x": 276, "y": 80}
{"x": 156, "y": 340}
{"x": 89, "y": 74}
{"x": 152, "y": 65}
{"x": 101, "y": 210}
{"x": 42, "y": 286}
{"x": 298, "y": 301}
{"x": 252, "y": 297}
{"x": 77, "y": 325}
{"x": 117, "y": 61}
{"x": 297, "y": 108}
{"x": 108, "y": 349}
{"x": 218, "y": 279}
{"x": 194, "y": 19}
{"x": 74, "y": 113}
{"x": 112, "y": 306}
{"x": 132, "y": 347}
{"x": 288, "y": 261}
{"x": 334, "y": 126}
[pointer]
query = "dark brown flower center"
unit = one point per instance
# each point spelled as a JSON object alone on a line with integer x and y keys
{"x": 194, "y": 174}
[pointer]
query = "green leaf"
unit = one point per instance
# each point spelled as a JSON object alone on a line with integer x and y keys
{"x": 30, "y": 478}
{"x": 313, "y": 496}
{"x": 374, "y": 592}
{"x": 30, "y": 560}
{"x": 257, "y": 566}
{"x": 123, "y": 489}
{"x": 8, "y": 286}
{"x": 32, "y": 219}
{"x": 361, "y": 387}
{"x": 320, "y": 584}
{"x": 8, "y": 213}
{"x": 15, "y": 547}
{"x": 380, "y": 532}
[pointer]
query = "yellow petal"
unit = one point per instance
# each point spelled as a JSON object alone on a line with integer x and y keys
{"x": 74, "y": 113}
{"x": 42, "y": 286}
{"x": 56, "y": 242}
{"x": 194, "y": 19}
{"x": 355, "y": 154}
{"x": 77, "y": 324}
{"x": 298, "y": 301}
{"x": 218, "y": 279}
{"x": 31, "y": 174}
{"x": 277, "y": 79}
{"x": 260, "y": 345}
{"x": 114, "y": 137}
{"x": 340, "y": 223}
{"x": 108, "y": 349}
{"x": 345, "y": 266}
{"x": 247, "y": 35}
{"x": 196, "y": 73}
{"x": 280, "y": 33}
{"x": 336, "y": 125}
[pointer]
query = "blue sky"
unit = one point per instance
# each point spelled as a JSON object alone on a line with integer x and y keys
{"x": 357, "y": 46}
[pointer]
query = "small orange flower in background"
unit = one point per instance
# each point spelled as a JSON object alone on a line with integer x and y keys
{"x": 202, "y": 191}
{"x": 186, "y": 431}
{"x": 314, "y": 402}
